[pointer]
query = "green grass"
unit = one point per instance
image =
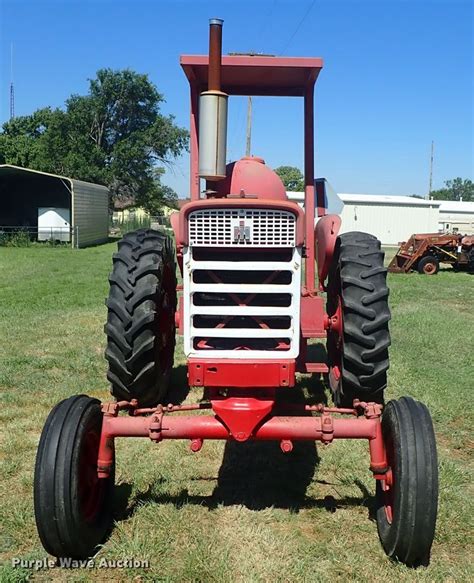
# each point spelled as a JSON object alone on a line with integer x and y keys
{"x": 233, "y": 512}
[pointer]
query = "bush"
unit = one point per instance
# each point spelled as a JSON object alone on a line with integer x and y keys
{"x": 131, "y": 224}
{"x": 15, "y": 239}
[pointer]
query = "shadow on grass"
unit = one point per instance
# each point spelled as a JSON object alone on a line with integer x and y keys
{"x": 256, "y": 474}
{"x": 264, "y": 489}
{"x": 179, "y": 385}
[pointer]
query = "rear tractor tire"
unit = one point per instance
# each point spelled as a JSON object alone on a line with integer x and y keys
{"x": 140, "y": 324}
{"x": 407, "y": 501}
{"x": 357, "y": 304}
{"x": 428, "y": 265}
{"x": 73, "y": 506}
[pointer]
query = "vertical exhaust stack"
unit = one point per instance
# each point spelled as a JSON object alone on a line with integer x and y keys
{"x": 213, "y": 112}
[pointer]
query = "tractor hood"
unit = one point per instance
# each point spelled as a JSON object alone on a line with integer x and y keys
{"x": 250, "y": 177}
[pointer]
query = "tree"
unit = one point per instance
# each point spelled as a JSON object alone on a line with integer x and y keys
{"x": 157, "y": 195}
{"x": 291, "y": 177}
{"x": 115, "y": 135}
{"x": 23, "y": 142}
{"x": 456, "y": 189}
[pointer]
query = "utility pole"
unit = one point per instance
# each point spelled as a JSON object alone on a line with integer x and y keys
{"x": 12, "y": 90}
{"x": 249, "y": 101}
{"x": 431, "y": 169}
{"x": 249, "y": 126}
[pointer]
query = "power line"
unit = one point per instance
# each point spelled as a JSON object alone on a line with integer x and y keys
{"x": 265, "y": 24}
{"x": 305, "y": 15}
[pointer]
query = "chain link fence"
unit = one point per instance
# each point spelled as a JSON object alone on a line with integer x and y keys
{"x": 21, "y": 236}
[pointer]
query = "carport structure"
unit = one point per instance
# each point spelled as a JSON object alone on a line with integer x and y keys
{"x": 25, "y": 194}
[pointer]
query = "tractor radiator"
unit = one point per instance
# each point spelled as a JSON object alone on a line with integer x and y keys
{"x": 242, "y": 284}
{"x": 242, "y": 228}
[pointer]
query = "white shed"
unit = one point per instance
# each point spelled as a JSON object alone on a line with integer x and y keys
{"x": 29, "y": 199}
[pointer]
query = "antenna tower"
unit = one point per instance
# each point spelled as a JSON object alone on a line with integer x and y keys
{"x": 12, "y": 88}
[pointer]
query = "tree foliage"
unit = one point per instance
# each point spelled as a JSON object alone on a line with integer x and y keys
{"x": 291, "y": 177}
{"x": 456, "y": 189}
{"x": 115, "y": 135}
{"x": 159, "y": 194}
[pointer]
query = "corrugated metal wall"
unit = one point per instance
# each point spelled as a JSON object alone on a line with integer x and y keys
{"x": 389, "y": 223}
{"x": 90, "y": 212}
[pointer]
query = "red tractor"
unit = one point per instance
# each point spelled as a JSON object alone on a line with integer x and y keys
{"x": 249, "y": 307}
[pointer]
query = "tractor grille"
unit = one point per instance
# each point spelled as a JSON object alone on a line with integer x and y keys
{"x": 242, "y": 227}
{"x": 241, "y": 302}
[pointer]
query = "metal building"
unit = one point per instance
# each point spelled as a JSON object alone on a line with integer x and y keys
{"x": 456, "y": 217}
{"x": 391, "y": 219}
{"x": 50, "y": 206}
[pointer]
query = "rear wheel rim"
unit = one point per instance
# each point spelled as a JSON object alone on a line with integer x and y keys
{"x": 337, "y": 339}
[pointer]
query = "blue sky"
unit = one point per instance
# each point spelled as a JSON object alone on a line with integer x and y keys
{"x": 397, "y": 75}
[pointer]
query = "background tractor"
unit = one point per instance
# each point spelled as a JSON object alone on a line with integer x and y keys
{"x": 248, "y": 306}
{"x": 424, "y": 252}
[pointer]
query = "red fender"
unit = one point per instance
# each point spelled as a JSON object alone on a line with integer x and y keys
{"x": 325, "y": 233}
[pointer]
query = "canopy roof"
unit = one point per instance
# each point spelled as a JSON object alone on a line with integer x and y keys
{"x": 256, "y": 75}
{"x": 11, "y": 170}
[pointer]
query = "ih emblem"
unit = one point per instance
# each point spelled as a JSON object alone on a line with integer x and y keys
{"x": 241, "y": 231}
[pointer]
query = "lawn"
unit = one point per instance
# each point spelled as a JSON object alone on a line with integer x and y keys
{"x": 233, "y": 512}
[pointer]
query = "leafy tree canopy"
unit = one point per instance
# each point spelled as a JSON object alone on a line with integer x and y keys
{"x": 455, "y": 189}
{"x": 158, "y": 194}
{"x": 291, "y": 177}
{"x": 115, "y": 135}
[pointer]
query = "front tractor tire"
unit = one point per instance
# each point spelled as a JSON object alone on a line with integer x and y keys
{"x": 140, "y": 324}
{"x": 357, "y": 304}
{"x": 428, "y": 265}
{"x": 407, "y": 500}
{"x": 73, "y": 506}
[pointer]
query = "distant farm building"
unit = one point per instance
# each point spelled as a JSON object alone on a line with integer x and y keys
{"x": 456, "y": 217}
{"x": 393, "y": 219}
{"x": 48, "y": 206}
{"x": 390, "y": 218}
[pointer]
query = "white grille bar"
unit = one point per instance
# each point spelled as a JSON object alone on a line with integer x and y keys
{"x": 242, "y": 265}
{"x": 240, "y": 288}
{"x": 238, "y": 310}
{"x": 242, "y": 333}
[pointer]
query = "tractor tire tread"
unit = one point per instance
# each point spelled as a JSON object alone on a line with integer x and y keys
{"x": 361, "y": 279}
{"x": 408, "y": 537}
{"x": 135, "y": 286}
{"x": 62, "y": 528}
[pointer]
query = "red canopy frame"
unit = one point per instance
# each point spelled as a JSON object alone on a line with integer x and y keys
{"x": 263, "y": 76}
